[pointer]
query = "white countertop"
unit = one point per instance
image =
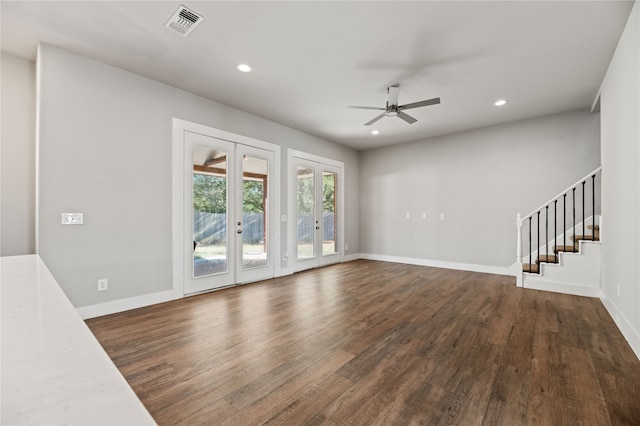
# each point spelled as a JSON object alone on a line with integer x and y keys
{"x": 54, "y": 371}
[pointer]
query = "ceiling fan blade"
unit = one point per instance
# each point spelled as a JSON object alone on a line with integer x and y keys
{"x": 369, "y": 123}
{"x": 428, "y": 102}
{"x": 406, "y": 117}
{"x": 366, "y": 107}
{"x": 394, "y": 92}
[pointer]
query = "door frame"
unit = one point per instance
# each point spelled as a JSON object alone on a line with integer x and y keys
{"x": 177, "y": 192}
{"x": 292, "y": 156}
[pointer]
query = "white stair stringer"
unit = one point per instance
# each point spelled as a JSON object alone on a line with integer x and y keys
{"x": 576, "y": 273}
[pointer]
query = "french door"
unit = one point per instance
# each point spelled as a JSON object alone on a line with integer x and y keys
{"x": 227, "y": 220}
{"x": 317, "y": 201}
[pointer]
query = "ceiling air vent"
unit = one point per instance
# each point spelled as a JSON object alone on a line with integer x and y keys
{"x": 184, "y": 21}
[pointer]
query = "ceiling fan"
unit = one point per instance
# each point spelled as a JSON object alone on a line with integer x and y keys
{"x": 394, "y": 110}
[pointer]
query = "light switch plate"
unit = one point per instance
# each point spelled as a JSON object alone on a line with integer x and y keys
{"x": 103, "y": 284}
{"x": 72, "y": 219}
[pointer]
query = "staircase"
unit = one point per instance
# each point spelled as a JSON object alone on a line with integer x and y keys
{"x": 569, "y": 261}
{"x": 555, "y": 257}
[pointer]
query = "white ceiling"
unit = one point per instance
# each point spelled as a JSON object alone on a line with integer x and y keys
{"x": 312, "y": 59}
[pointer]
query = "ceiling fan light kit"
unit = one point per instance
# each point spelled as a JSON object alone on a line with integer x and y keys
{"x": 392, "y": 108}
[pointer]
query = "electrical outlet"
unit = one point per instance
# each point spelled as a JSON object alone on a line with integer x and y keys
{"x": 442, "y": 216}
{"x": 424, "y": 215}
{"x": 407, "y": 215}
{"x": 103, "y": 285}
{"x": 285, "y": 256}
{"x": 72, "y": 219}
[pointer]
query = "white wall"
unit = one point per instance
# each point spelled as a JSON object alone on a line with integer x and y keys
{"x": 620, "y": 111}
{"x": 479, "y": 179}
{"x": 17, "y": 156}
{"x": 105, "y": 151}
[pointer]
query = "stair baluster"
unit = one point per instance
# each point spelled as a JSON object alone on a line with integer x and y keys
{"x": 538, "y": 241}
{"x": 555, "y": 228}
{"x": 574, "y": 214}
{"x": 583, "y": 233}
{"x": 546, "y": 233}
{"x": 564, "y": 220}
{"x": 593, "y": 204}
{"x": 530, "y": 252}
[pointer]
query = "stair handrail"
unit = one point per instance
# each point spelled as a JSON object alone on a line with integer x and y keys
{"x": 575, "y": 185}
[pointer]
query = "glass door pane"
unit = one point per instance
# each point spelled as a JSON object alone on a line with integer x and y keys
{"x": 255, "y": 173}
{"x": 210, "y": 242}
{"x": 306, "y": 221}
{"x": 329, "y": 213}
{"x": 208, "y": 182}
{"x": 253, "y": 221}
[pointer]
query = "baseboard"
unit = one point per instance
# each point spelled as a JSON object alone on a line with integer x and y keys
{"x": 438, "y": 264}
{"x": 122, "y": 305}
{"x": 283, "y": 272}
{"x": 351, "y": 257}
{"x": 630, "y": 334}
{"x": 559, "y": 287}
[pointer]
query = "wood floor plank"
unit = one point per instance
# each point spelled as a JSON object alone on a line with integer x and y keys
{"x": 620, "y": 394}
{"x": 370, "y": 380}
{"x": 507, "y": 403}
{"x": 258, "y": 404}
{"x": 304, "y": 408}
{"x": 583, "y": 396}
{"x": 387, "y": 406}
{"x": 545, "y": 411}
{"x": 369, "y": 342}
{"x": 547, "y": 366}
{"x": 469, "y": 397}
{"x": 196, "y": 411}
{"x": 423, "y": 406}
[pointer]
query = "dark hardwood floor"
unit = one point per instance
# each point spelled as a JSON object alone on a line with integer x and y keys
{"x": 368, "y": 343}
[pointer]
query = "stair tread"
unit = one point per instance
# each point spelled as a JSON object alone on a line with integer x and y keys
{"x": 531, "y": 267}
{"x": 585, "y": 237}
{"x": 596, "y": 227}
{"x": 548, "y": 258}
{"x": 570, "y": 249}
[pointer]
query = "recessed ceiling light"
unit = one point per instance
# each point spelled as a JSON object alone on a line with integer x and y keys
{"x": 375, "y": 132}
{"x": 500, "y": 102}
{"x": 244, "y": 68}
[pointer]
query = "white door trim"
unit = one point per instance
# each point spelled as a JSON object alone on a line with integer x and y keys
{"x": 177, "y": 192}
